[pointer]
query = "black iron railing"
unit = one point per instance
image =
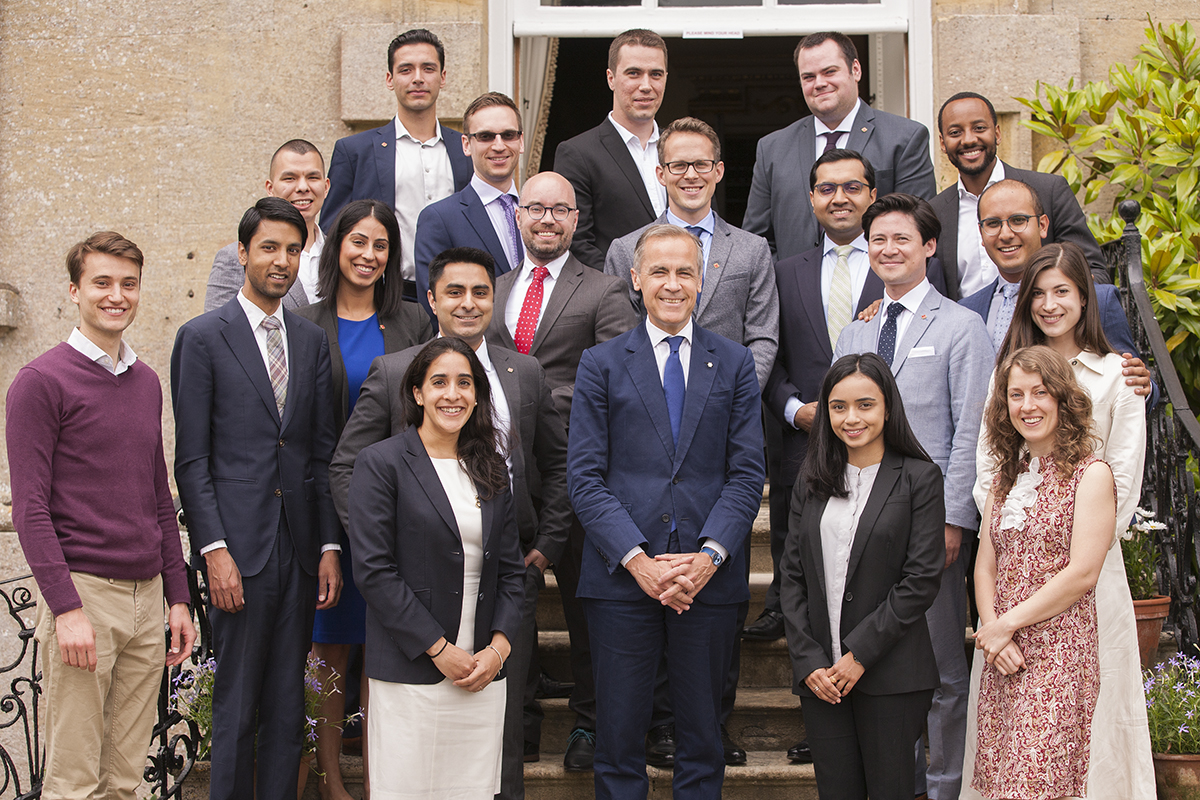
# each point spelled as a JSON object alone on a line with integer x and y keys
{"x": 1172, "y": 435}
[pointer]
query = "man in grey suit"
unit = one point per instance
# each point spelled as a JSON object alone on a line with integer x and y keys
{"x": 778, "y": 206}
{"x": 942, "y": 358}
{"x": 553, "y": 308}
{"x": 297, "y": 175}
{"x": 738, "y": 298}
{"x": 969, "y": 134}
{"x": 461, "y": 282}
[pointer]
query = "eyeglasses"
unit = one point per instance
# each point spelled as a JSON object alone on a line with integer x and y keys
{"x": 488, "y": 137}
{"x": 537, "y": 211}
{"x": 1016, "y": 223}
{"x": 851, "y": 188}
{"x": 702, "y": 167}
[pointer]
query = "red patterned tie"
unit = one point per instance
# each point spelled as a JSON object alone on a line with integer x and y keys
{"x": 531, "y": 309}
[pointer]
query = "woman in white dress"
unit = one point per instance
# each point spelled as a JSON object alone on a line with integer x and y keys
{"x": 1057, "y": 306}
{"x": 437, "y": 557}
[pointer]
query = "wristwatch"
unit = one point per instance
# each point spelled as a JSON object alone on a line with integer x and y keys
{"x": 713, "y": 554}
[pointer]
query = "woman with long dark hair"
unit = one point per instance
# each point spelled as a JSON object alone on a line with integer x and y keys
{"x": 437, "y": 557}
{"x": 364, "y": 316}
{"x": 863, "y": 561}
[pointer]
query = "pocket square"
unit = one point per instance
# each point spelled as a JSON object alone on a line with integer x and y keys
{"x": 921, "y": 352}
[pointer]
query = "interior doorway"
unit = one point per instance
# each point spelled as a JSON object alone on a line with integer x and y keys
{"x": 744, "y": 88}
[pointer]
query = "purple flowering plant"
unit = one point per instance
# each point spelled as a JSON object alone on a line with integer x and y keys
{"x": 1173, "y": 705}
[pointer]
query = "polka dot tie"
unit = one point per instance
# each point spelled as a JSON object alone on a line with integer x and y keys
{"x": 531, "y": 310}
{"x": 1005, "y": 314}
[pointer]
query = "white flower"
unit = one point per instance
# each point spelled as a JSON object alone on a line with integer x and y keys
{"x": 1021, "y": 498}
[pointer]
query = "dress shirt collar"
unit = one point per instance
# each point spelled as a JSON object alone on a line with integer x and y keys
{"x": 630, "y": 138}
{"x": 860, "y": 243}
{"x": 402, "y": 133}
{"x": 658, "y": 335}
{"x": 708, "y": 224}
{"x": 256, "y": 315}
{"x": 845, "y": 126}
{"x": 125, "y": 355}
{"x": 554, "y": 266}
{"x": 1001, "y": 283}
{"x": 481, "y": 353}
{"x": 1093, "y": 361}
{"x": 911, "y": 300}
{"x": 487, "y": 193}
{"x": 997, "y": 176}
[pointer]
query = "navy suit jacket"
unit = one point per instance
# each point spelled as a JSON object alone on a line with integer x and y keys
{"x": 363, "y": 167}
{"x": 459, "y": 220}
{"x": 627, "y": 478}
{"x": 237, "y": 464}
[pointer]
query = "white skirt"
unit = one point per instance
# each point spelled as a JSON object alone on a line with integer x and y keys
{"x": 435, "y": 741}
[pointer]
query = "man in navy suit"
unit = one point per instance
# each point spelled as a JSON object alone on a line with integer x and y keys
{"x": 654, "y": 408}
{"x": 483, "y": 214}
{"x": 410, "y": 162}
{"x": 251, "y": 385}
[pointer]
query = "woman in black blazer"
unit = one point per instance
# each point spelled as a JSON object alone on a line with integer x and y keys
{"x": 437, "y": 555}
{"x": 864, "y": 557}
{"x": 364, "y": 316}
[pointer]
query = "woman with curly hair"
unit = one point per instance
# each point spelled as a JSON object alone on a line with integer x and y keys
{"x": 1047, "y": 526}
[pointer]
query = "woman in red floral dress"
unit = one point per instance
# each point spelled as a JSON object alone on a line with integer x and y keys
{"x": 1052, "y": 510}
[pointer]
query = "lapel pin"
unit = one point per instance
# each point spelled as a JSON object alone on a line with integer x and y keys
{"x": 384, "y": 144}
{"x": 510, "y": 369}
{"x": 708, "y": 364}
{"x": 922, "y": 316}
{"x": 716, "y": 265}
{"x": 864, "y": 129}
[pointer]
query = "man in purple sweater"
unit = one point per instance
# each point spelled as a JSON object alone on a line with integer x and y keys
{"x": 102, "y": 542}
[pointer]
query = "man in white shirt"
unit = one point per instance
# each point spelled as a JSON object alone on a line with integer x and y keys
{"x": 483, "y": 214}
{"x": 410, "y": 162}
{"x": 613, "y": 166}
{"x": 297, "y": 175}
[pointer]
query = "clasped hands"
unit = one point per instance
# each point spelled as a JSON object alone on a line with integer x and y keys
{"x": 470, "y": 672}
{"x": 673, "y": 579}
{"x": 995, "y": 640}
{"x": 831, "y": 684}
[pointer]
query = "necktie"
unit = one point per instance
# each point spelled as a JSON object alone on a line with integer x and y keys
{"x": 1005, "y": 315}
{"x": 531, "y": 309}
{"x": 698, "y": 232}
{"x": 831, "y": 139}
{"x": 514, "y": 236}
{"x": 276, "y": 361}
{"x": 839, "y": 295}
{"x": 887, "y": 337}
{"x": 673, "y": 385}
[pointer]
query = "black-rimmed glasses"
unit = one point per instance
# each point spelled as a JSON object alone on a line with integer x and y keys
{"x": 851, "y": 188}
{"x": 702, "y": 167}
{"x": 537, "y": 211}
{"x": 1016, "y": 223}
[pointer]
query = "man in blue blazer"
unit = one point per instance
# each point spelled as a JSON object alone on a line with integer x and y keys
{"x": 410, "y": 162}
{"x": 483, "y": 214}
{"x": 251, "y": 385}
{"x": 663, "y": 513}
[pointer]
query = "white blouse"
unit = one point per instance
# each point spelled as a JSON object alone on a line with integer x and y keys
{"x": 838, "y": 524}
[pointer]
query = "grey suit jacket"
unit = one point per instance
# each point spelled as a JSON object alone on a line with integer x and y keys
{"x": 539, "y": 454}
{"x": 1067, "y": 224}
{"x": 227, "y": 276}
{"x": 739, "y": 299}
{"x": 585, "y": 308}
{"x": 778, "y": 206}
{"x": 942, "y": 365}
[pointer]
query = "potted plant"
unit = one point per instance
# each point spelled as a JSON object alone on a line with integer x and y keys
{"x": 1141, "y": 571}
{"x": 1173, "y": 712}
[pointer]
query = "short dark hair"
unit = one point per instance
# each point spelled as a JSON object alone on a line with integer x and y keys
{"x": 489, "y": 100}
{"x": 109, "y": 243}
{"x": 389, "y": 289}
{"x": 417, "y": 36}
{"x": 300, "y": 147}
{"x": 274, "y": 209}
{"x": 689, "y": 125}
{"x": 917, "y": 209}
{"x": 1037, "y": 201}
{"x": 849, "y": 51}
{"x": 967, "y": 96}
{"x": 840, "y": 154}
{"x": 461, "y": 255}
{"x": 635, "y": 36}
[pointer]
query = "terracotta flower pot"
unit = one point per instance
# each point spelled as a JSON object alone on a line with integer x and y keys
{"x": 1177, "y": 776}
{"x": 1150, "y": 615}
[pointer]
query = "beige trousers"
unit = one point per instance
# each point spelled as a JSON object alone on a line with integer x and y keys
{"x": 98, "y": 724}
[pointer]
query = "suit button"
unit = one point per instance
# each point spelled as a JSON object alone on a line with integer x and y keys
{"x": 674, "y": 481}
{"x": 278, "y": 493}
{"x": 481, "y": 595}
{"x": 849, "y": 597}
{"x": 666, "y": 517}
{"x": 282, "y": 442}
{"x": 487, "y": 554}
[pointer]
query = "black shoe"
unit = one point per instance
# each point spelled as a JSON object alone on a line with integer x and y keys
{"x": 660, "y": 746}
{"x": 581, "y": 751}
{"x": 549, "y": 688}
{"x": 799, "y": 753}
{"x": 767, "y": 628}
{"x": 735, "y": 756}
{"x": 531, "y": 753}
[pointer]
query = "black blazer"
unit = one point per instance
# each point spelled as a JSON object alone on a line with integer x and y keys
{"x": 407, "y": 328}
{"x": 894, "y": 574}
{"x": 408, "y": 561}
{"x": 609, "y": 191}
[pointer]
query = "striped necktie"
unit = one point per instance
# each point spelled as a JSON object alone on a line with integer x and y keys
{"x": 840, "y": 299}
{"x": 276, "y": 361}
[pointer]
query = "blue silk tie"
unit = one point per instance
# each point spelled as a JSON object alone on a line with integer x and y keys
{"x": 673, "y": 386}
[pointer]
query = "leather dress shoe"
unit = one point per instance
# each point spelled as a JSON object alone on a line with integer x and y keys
{"x": 735, "y": 756}
{"x": 660, "y": 746}
{"x": 531, "y": 753}
{"x": 767, "y": 628}
{"x": 581, "y": 751}
{"x": 799, "y": 753}
{"x": 549, "y": 688}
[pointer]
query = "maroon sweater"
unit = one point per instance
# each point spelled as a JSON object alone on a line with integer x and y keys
{"x": 89, "y": 479}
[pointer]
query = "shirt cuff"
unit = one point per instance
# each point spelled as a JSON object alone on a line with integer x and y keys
{"x": 793, "y": 404}
{"x": 628, "y": 556}
{"x": 325, "y": 548}
{"x": 217, "y": 545}
{"x": 715, "y": 545}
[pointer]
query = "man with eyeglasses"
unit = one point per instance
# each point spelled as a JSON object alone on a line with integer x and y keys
{"x": 483, "y": 214}
{"x": 969, "y": 133}
{"x": 553, "y": 308}
{"x": 410, "y": 162}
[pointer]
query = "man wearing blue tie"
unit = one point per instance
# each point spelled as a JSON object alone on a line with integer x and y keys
{"x": 666, "y": 517}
